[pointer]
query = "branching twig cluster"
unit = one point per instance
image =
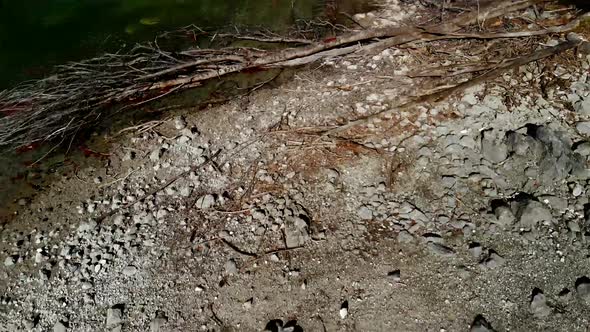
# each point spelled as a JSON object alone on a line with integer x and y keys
{"x": 80, "y": 93}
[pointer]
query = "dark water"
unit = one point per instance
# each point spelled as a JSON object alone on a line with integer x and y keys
{"x": 37, "y": 34}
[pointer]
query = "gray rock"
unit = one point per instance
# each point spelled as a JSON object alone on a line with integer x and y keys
{"x": 129, "y": 270}
{"x": 296, "y": 232}
{"x": 492, "y": 148}
{"x": 583, "y": 288}
{"x": 156, "y": 154}
{"x": 179, "y": 122}
{"x": 583, "y": 149}
{"x": 231, "y": 267}
{"x": 158, "y": 322}
{"x": 440, "y": 249}
{"x": 504, "y": 215}
{"x": 114, "y": 317}
{"x": 539, "y": 307}
{"x": 582, "y": 106}
{"x": 433, "y": 237}
{"x": 59, "y": 327}
{"x": 205, "y": 202}
{"x": 493, "y": 260}
{"x": 405, "y": 237}
{"x": 475, "y": 249}
{"x": 10, "y": 261}
{"x": 480, "y": 324}
{"x": 88, "y": 226}
{"x": 365, "y": 213}
{"x": 583, "y": 128}
{"x": 531, "y": 213}
{"x": 395, "y": 275}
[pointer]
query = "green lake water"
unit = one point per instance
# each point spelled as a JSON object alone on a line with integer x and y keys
{"x": 38, "y": 34}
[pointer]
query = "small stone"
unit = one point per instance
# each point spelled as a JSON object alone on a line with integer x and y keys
{"x": 539, "y": 307}
{"x": 440, "y": 249}
{"x": 395, "y": 275}
{"x": 365, "y": 213}
{"x": 179, "y": 122}
{"x": 577, "y": 190}
{"x": 504, "y": 215}
{"x": 114, "y": 317}
{"x": 493, "y": 260}
{"x": 533, "y": 213}
{"x": 274, "y": 258}
{"x": 480, "y": 324}
{"x": 10, "y": 261}
{"x": 129, "y": 270}
{"x": 405, "y": 237}
{"x": 248, "y": 304}
{"x": 156, "y": 155}
{"x": 583, "y": 288}
{"x": 86, "y": 285}
{"x": 158, "y": 322}
{"x": 59, "y": 327}
{"x": 475, "y": 249}
{"x": 565, "y": 295}
{"x": 205, "y": 202}
{"x": 344, "y": 310}
{"x": 583, "y": 148}
{"x": 231, "y": 267}
{"x": 583, "y": 128}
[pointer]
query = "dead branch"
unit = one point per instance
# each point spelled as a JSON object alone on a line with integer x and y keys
{"x": 80, "y": 93}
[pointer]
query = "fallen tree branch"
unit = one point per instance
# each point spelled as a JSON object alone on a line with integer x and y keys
{"x": 81, "y": 92}
{"x": 444, "y": 93}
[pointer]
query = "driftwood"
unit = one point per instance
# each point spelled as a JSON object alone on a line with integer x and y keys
{"x": 81, "y": 93}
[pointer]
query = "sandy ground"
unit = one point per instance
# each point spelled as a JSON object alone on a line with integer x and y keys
{"x": 471, "y": 214}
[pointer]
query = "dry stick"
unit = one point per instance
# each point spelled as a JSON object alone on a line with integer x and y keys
{"x": 444, "y": 93}
{"x": 162, "y": 187}
{"x": 403, "y": 35}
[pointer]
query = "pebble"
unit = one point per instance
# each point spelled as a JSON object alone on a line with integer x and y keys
{"x": 539, "y": 307}
{"x": 59, "y": 327}
{"x": 475, "y": 249}
{"x": 129, "y": 270}
{"x": 158, "y": 322}
{"x": 395, "y": 275}
{"x": 114, "y": 317}
{"x": 405, "y": 237}
{"x": 344, "y": 310}
{"x": 583, "y": 128}
{"x": 10, "y": 261}
{"x": 231, "y": 267}
{"x": 205, "y": 202}
{"x": 179, "y": 122}
{"x": 480, "y": 324}
{"x": 583, "y": 288}
{"x": 493, "y": 260}
{"x": 440, "y": 249}
{"x": 365, "y": 213}
{"x": 533, "y": 213}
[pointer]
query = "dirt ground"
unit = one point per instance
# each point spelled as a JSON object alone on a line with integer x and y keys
{"x": 471, "y": 214}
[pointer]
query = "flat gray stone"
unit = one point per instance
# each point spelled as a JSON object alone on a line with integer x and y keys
{"x": 539, "y": 307}
{"x": 365, "y": 213}
{"x": 532, "y": 213}
{"x": 583, "y": 288}
{"x": 583, "y": 128}
{"x": 440, "y": 249}
{"x": 129, "y": 270}
{"x": 205, "y": 202}
{"x": 114, "y": 317}
{"x": 59, "y": 327}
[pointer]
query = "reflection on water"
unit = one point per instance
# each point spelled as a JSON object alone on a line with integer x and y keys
{"x": 34, "y": 35}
